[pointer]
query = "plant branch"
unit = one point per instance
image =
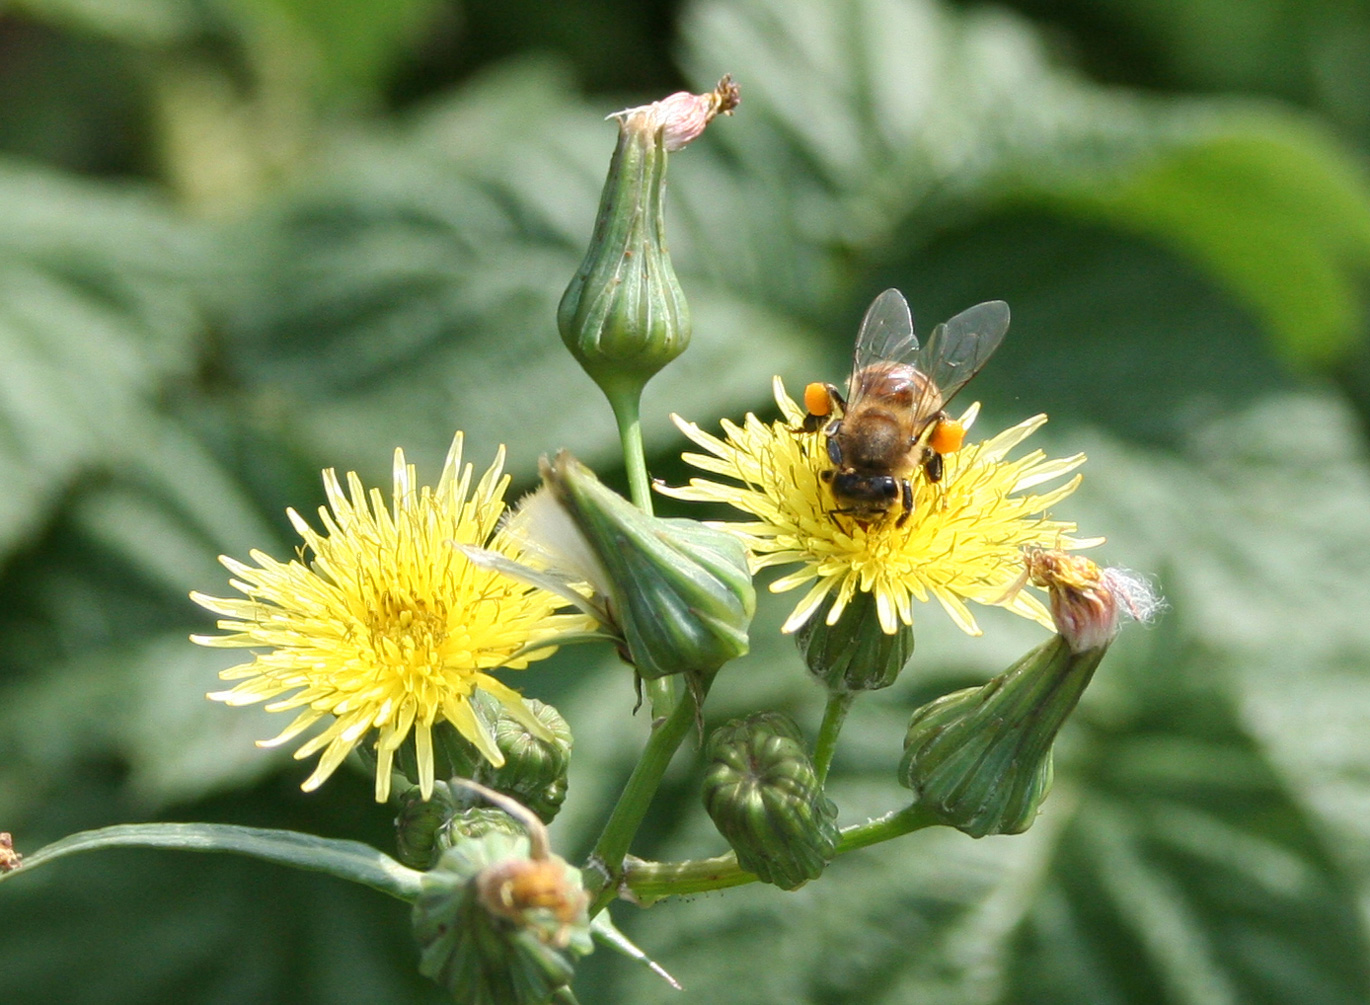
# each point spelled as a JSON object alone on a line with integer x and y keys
{"x": 651, "y": 881}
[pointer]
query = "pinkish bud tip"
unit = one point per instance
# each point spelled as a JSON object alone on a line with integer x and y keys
{"x": 1087, "y": 602}
{"x": 682, "y": 116}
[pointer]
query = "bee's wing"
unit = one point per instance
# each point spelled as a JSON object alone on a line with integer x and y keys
{"x": 956, "y": 350}
{"x": 886, "y": 334}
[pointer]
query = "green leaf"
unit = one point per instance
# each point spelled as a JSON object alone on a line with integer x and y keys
{"x": 349, "y": 860}
{"x": 883, "y": 121}
{"x": 605, "y": 931}
{"x": 140, "y": 22}
{"x": 95, "y": 315}
{"x": 353, "y": 43}
{"x": 1278, "y": 214}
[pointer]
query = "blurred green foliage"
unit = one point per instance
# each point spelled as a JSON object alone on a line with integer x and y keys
{"x": 246, "y": 239}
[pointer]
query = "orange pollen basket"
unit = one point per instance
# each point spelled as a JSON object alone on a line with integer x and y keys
{"x": 816, "y": 400}
{"x": 947, "y": 437}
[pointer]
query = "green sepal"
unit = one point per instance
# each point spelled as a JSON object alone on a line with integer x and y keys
{"x": 855, "y": 654}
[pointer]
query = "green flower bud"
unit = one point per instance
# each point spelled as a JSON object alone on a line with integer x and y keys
{"x": 425, "y": 828}
{"x": 420, "y": 822}
{"x": 624, "y": 316}
{"x": 761, "y": 791}
{"x": 498, "y": 926}
{"x": 855, "y": 654}
{"x": 980, "y": 758}
{"x": 534, "y": 769}
{"x": 475, "y": 822}
{"x": 676, "y": 595}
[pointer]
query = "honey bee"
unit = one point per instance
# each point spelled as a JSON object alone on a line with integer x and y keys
{"x": 893, "y": 420}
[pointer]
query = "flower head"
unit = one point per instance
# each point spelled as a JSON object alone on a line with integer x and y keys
{"x": 964, "y": 541}
{"x": 388, "y": 626}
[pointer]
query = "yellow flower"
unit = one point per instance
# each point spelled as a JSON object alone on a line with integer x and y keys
{"x": 388, "y": 626}
{"x": 964, "y": 541}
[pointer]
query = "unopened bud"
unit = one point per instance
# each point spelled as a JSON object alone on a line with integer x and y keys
{"x": 855, "y": 654}
{"x": 534, "y": 769}
{"x": 476, "y": 822}
{"x": 419, "y": 823}
{"x": 497, "y": 925}
{"x": 764, "y": 796}
{"x": 675, "y": 594}
{"x": 624, "y": 316}
{"x": 425, "y": 828}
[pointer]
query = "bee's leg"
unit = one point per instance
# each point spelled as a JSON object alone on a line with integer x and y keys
{"x": 933, "y": 468}
{"x": 822, "y": 402}
{"x": 847, "y": 511}
{"x": 906, "y": 490}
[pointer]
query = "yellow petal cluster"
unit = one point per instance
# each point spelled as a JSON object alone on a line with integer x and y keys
{"x": 388, "y": 626}
{"x": 964, "y": 541}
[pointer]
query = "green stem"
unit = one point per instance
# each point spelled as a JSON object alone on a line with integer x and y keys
{"x": 627, "y": 407}
{"x": 651, "y": 881}
{"x": 839, "y": 704}
{"x": 631, "y": 809}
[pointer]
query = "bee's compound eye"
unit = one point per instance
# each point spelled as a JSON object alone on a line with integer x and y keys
{"x": 816, "y": 400}
{"x": 947, "y": 437}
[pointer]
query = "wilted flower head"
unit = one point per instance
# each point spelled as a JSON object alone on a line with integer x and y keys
{"x": 1088, "y": 602}
{"x": 682, "y": 116}
{"x": 981, "y": 758}
{"x": 388, "y": 627}
{"x": 9, "y": 858}
{"x": 963, "y": 542}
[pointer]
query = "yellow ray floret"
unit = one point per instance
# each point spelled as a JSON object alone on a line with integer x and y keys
{"x": 387, "y": 626}
{"x": 964, "y": 541}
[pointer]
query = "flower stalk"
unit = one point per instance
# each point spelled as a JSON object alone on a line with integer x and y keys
{"x": 834, "y": 715}
{"x": 608, "y": 860}
{"x": 648, "y": 882}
